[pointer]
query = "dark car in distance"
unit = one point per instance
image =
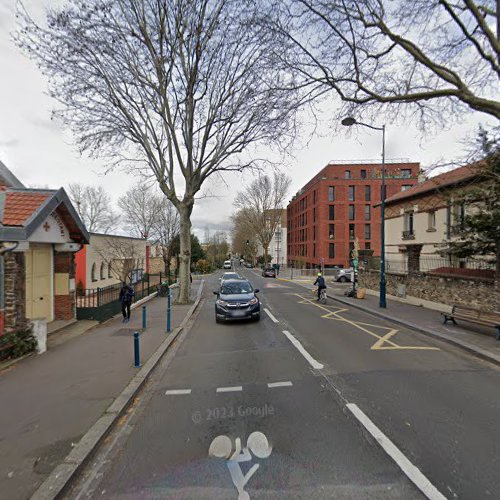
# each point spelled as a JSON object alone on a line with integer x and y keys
{"x": 269, "y": 272}
{"x": 236, "y": 300}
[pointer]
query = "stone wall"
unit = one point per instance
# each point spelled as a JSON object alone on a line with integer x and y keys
{"x": 15, "y": 292}
{"x": 446, "y": 290}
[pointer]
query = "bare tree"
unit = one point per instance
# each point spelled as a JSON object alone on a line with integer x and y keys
{"x": 260, "y": 206}
{"x": 94, "y": 207}
{"x": 141, "y": 210}
{"x": 180, "y": 88}
{"x": 432, "y": 58}
{"x": 165, "y": 230}
{"x": 243, "y": 237}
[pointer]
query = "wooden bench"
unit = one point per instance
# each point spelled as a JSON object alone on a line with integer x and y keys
{"x": 485, "y": 318}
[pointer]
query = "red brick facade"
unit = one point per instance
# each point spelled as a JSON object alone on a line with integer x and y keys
{"x": 64, "y": 307}
{"x": 319, "y": 234}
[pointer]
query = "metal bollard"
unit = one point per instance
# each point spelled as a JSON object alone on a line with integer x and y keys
{"x": 169, "y": 307}
{"x": 137, "y": 356}
{"x": 144, "y": 317}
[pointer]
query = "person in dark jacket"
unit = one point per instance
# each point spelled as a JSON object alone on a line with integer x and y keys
{"x": 320, "y": 281}
{"x": 126, "y": 296}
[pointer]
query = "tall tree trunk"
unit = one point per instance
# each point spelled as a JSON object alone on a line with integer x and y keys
{"x": 497, "y": 270}
{"x": 184, "y": 255}
{"x": 266, "y": 252}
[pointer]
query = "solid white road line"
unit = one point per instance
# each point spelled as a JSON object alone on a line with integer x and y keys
{"x": 315, "y": 364}
{"x": 270, "y": 314}
{"x": 177, "y": 392}
{"x": 279, "y": 384}
{"x": 413, "y": 473}
{"x": 236, "y": 388}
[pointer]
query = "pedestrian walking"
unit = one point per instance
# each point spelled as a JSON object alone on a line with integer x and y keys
{"x": 126, "y": 296}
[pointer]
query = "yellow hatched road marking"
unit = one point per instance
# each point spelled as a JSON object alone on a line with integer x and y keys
{"x": 384, "y": 342}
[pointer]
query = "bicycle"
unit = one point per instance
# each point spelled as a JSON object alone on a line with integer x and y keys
{"x": 322, "y": 295}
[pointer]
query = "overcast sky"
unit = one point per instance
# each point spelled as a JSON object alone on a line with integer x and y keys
{"x": 40, "y": 153}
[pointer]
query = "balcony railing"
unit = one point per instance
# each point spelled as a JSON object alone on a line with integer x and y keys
{"x": 408, "y": 235}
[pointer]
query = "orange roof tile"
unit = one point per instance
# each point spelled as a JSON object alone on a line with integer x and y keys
{"x": 20, "y": 206}
{"x": 439, "y": 181}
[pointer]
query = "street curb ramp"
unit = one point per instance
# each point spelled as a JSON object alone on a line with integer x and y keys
{"x": 60, "y": 478}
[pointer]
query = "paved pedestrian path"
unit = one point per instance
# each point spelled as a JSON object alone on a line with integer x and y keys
{"x": 50, "y": 401}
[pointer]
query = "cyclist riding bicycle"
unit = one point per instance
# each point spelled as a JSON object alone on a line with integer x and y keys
{"x": 320, "y": 281}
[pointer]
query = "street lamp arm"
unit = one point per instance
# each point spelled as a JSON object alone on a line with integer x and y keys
{"x": 370, "y": 126}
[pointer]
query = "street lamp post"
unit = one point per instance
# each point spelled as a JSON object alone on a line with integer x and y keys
{"x": 348, "y": 122}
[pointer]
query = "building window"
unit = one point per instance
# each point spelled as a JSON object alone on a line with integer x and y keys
{"x": 347, "y": 174}
{"x": 331, "y": 193}
{"x": 102, "y": 274}
{"x": 459, "y": 215}
{"x": 351, "y": 232}
{"x": 405, "y": 187}
{"x": 314, "y": 214}
{"x": 314, "y": 232}
{"x": 363, "y": 174}
{"x": 331, "y": 212}
{"x": 314, "y": 196}
{"x": 368, "y": 246}
{"x": 331, "y": 231}
{"x": 351, "y": 212}
{"x": 431, "y": 220}
{"x": 314, "y": 249}
{"x": 367, "y": 212}
{"x": 368, "y": 232}
{"x": 405, "y": 173}
{"x": 110, "y": 271}
{"x": 408, "y": 225}
{"x": 368, "y": 193}
{"x": 92, "y": 273}
{"x": 351, "y": 193}
{"x": 331, "y": 250}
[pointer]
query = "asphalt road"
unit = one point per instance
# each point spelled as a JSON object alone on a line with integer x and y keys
{"x": 244, "y": 410}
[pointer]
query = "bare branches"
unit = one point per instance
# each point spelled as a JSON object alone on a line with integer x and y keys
{"x": 94, "y": 207}
{"x": 435, "y": 58}
{"x": 185, "y": 85}
{"x": 260, "y": 206}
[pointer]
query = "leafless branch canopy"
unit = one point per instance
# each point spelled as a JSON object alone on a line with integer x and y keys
{"x": 260, "y": 206}
{"x": 435, "y": 57}
{"x": 186, "y": 85}
{"x": 94, "y": 207}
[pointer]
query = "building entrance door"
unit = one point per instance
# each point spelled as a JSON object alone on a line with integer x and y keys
{"x": 39, "y": 282}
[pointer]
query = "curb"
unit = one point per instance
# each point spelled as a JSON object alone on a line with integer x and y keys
{"x": 477, "y": 351}
{"x": 59, "y": 479}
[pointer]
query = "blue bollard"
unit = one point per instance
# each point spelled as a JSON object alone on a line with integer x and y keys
{"x": 143, "y": 317}
{"x": 169, "y": 325}
{"x": 137, "y": 356}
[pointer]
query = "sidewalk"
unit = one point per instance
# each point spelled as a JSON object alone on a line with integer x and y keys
{"x": 474, "y": 338}
{"x": 50, "y": 401}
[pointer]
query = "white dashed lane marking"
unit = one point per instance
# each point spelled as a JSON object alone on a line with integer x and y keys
{"x": 279, "y": 384}
{"x": 271, "y": 315}
{"x": 177, "y": 392}
{"x": 315, "y": 364}
{"x": 237, "y": 388}
{"x": 412, "y": 472}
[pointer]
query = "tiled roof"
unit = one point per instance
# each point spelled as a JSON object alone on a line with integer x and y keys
{"x": 439, "y": 181}
{"x": 20, "y": 206}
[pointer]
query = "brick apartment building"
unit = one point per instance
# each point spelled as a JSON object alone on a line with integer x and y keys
{"x": 337, "y": 206}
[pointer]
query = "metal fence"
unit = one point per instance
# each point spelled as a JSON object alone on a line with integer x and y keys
{"x": 436, "y": 264}
{"x": 103, "y": 303}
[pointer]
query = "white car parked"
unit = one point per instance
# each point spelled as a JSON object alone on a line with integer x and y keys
{"x": 227, "y": 264}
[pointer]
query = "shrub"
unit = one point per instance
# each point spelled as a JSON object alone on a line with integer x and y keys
{"x": 14, "y": 345}
{"x": 203, "y": 266}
